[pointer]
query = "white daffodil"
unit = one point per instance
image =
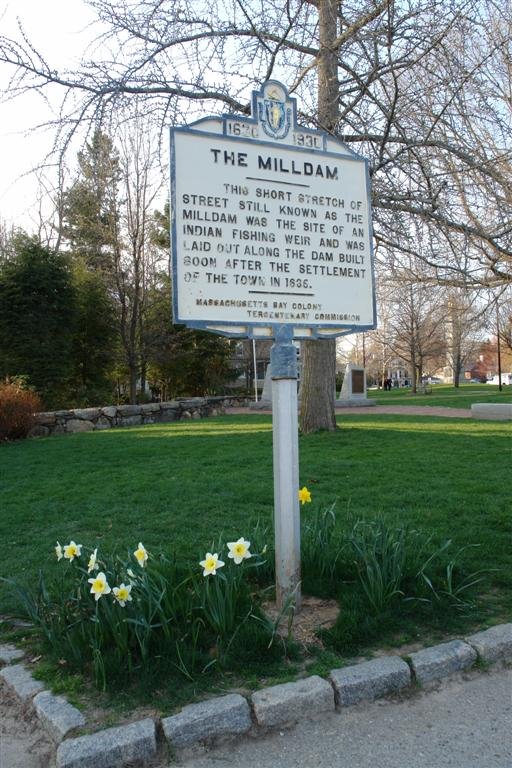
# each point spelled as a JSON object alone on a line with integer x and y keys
{"x": 58, "y": 551}
{"x": 210, "y": 564}
{"x": 141, "y": 555}
{"x": 122, "y": 594}
{"x": 92, "y": 564}
{"x": 239, "y": 550}
{"x": 99, "y": 586}
{"x": 72, "y": 550}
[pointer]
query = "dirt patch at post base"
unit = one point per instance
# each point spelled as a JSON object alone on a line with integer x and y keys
{"x": 315, "y": 614}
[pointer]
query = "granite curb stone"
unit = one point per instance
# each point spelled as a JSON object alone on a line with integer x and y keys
{"x": 230, "y": 715}
{"x": 9, "y": 653}
{"x": 493, "y": 644}
{"x": 288, "y": 702}
{"x": 442, "y": 660}
{"x": 112, "y": 748}
{"x": 21, "y": 682}
{"x": 57, "y": 716}
{"x": 369, "y": 680}
{"x": 223, "y": 716}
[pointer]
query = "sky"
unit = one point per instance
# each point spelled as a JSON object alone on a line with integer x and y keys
{"x": 60, "y": 29}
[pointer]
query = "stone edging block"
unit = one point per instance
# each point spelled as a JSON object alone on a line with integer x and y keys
{"x": 57, "y": 716}
{"x": 442, "y": 660}
{"x": 369, "y": 680}
{"x": 21, "y": 682}
{"x": 493, "y": 644}
{"x": 223, "y": 716}
{"x": 230, "y": 715}
{"x": 289, "y": 702}
{"x": 9, "y": 653}
{"x": 112, "y": 748}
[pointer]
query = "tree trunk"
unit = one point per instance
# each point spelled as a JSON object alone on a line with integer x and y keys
{"x": 414, "y": 368}
{"x": 318, "y": 381}
{"x": 132, "y": 373}
{"x": 317, "y": 385}
{"x": 457, "y": 368}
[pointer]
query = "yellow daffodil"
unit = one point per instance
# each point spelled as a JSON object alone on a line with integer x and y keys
{"x": 122, "y": 594}
{"x": 92, "y": 564}
{"x": 58, "y": 551}
{"x": 72, "y": 550}
{"x": 141, "y": 555}
{"x": 99, "y": 586}
{"x": 239, "y": 550}
{"x": 304, "y": 495}
{"x": 210, "y": 564}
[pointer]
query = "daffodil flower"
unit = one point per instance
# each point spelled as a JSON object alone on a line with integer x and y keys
{"x": 304, "y": 495}
{"x": 239, "y": 550}
{"x": 72, "y": 550}
{"x": 210, "y": 564}
{"x": 99, "y": 586}
{"x": 92, "y": 564}
{"x": 141, "y": 555}
{"x": 122, "y": 594}
{"x": 58, "y": 551}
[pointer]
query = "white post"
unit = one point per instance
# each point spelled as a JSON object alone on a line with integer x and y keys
{"x": 286, "y": 467}
{"x": 255, "y": 371}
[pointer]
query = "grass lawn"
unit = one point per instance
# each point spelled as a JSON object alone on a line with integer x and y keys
{"x": 445, "y": 395}
{"x": 181, "y": 486}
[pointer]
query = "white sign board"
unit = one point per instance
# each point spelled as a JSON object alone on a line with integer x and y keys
{"x": 270, "y": 225}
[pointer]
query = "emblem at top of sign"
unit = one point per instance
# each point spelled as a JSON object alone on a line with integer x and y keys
{"x": 274, "y": 110}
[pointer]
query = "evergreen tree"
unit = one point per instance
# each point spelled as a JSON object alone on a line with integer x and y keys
{"x": 91, "y": 205}
{"x": 37, "y": 319}
{"x": 95, "y": 337}
{"x": 182, "y": 361}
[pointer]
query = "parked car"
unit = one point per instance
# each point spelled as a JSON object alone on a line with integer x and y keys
{"x": 506, "y": 378}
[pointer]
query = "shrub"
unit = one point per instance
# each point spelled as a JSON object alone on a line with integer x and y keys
{"x": 17, "y": 409}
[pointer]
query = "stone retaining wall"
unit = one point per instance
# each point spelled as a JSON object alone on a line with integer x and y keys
{"x": 89, "y": 419}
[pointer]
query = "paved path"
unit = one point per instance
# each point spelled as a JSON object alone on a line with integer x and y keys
{"x": 461, "y": 724}
{"x": 400, "y": 410}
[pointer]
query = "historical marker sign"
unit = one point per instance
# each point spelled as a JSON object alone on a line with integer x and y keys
{"x": 271, "y": 237}
{"x": 270, "y": 225}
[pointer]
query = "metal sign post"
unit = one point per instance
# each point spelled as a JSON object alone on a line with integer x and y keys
{"x": 271, "y": 239}
{"x": 283, "y": 364}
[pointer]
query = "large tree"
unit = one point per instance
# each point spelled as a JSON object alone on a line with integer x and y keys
{"x": 107, "y": 215}
{"x": 422, "y": 89}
